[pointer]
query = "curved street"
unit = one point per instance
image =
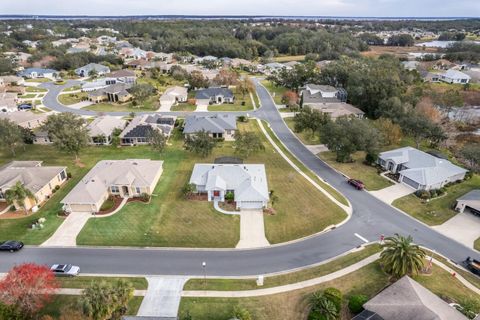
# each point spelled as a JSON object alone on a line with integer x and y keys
{"x": 371, "y": 218}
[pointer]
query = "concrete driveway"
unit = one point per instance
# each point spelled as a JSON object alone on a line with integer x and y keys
{"x": 252, "y": 230}
{"x": 464, "y": 227}
{"x": 392, "y": 193}
{"x": 66, "y": 234}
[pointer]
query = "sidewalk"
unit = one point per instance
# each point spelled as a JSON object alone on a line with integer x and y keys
{"x": 66, "y": 234}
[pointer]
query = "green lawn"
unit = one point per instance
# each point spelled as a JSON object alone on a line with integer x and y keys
{"x": 74, "y": 88}
{"x": 183, "y": 107}
{"x": 306, "y": 137}
{"x": 38, "y": 80}
{"x": 439, "y": 210}
{"x": 338, "y": 196}
{"x": 27, "y": 96}
{"x": 35, "y": 89}
{"x": 161, "y": 83}
{"x": 236, "y": 106}
{"x": 150, "y": 104}
{"x": 314, "y": 272}
{"x": 19, "y": 228}
{"x": 357, "y": 170}
{"x": 276, "y": 92}
{"x": 62, "y": 302}
{"x": 172, "y": 221}
{"x": 82, "y": 282}
{"x": 369, "y": 280}
{"x": 107, "y": 205}
{"x": 71, "y": 98}
{"x": 476, "y": 245}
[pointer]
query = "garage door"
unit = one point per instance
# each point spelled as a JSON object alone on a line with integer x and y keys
{"x": 81, "y": 208}
{"x": 410, "y": 182}
{"x": 251, "y": 204}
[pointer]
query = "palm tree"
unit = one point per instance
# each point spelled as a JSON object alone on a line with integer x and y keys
{"x": 400, "y": 256}
{"x": 18, "y": 194}
{"x": 323, "y": 308}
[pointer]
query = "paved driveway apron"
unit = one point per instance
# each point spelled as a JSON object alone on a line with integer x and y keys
{"x": 392, "y": 193}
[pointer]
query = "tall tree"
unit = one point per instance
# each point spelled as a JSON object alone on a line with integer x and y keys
{"x": 310, "y": 119}
{"x": 471, "y": 153}
{"x": 401, "y": 257}
{"x": 17, "y": 195}
{"x": 67, "y": 131}
{"x": 12, "y": 135}
{"x": 200, "y": 143}
{"x": 197, "y": 80}
{"x": 247, "y": 143}
{"x": 226, "y": 77}
{"x": 102, "y": 300}
{"x": 245, "y": 86}
{"x": 141, "y": 92}
{"x": 27, "y": 287}
{"x": 157, "y": 140}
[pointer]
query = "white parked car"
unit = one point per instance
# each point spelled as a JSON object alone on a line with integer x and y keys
{"x": 65, "y": 270}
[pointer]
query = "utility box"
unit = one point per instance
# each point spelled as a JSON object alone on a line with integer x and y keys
{"x": 260, "y": 281}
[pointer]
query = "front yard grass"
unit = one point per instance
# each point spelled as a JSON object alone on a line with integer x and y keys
{"x": 82, "y": 282}
{"x": 60, "y": 302}
{"x": 476, "y": 245}
{"x": 306, "y": 137}
{"x": 184, "y": 107}
{"x": 276, "y": 92}
{"x": 236, "y": 106}
{"x": 273, "y": 281}
{"x": 38, "y": 80}
{"x": 71, "y": 98}
{"x": 357, "y": 170}
{"x": 27, "y": 96}
{"x": 35, "y": 89}
{"x": 369, "y": 281}
{"x": 437, "y": 211}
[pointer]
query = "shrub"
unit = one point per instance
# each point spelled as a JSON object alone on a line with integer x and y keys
{"x": 335, "y": 296}
{"x": 433, "y": 193}
{"x": 69, "y": 175}
{"x": 229, "y": 196}
{"x": 241, "y": 313}
{"x": 57, "y": 187}
{"x": 356, "y": 302}
{"x": 145, "y": 196}
{"x": 243, "y": 103}
{"x": 423, "y": 194}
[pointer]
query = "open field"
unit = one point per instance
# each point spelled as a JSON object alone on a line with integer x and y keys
{"x": 376, "y": 51}
{"x": 368, "y": 281}
{"x": 439, "y": 210}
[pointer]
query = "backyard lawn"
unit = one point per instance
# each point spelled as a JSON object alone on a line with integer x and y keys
{"x": 276, "y": 92}
{"x": 306, "y": 137}
{"x": 71, "y": 98}
{"x": 437, "y": 211}
{"x": 357, "y": 170}
{"x": 368, "y": 280}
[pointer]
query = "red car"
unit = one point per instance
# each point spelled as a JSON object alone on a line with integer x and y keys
{"x": 357, "y": 184}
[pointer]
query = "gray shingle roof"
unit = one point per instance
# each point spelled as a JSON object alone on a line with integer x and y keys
{"x": 472, "y": 195}
{"x": 213, "y": 92}
{"x": 213, "y": 124}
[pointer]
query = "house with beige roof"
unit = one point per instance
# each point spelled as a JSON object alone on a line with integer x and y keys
{"x": 101, "y": 129}
{"x": 173, "y": 96}
{"x": 41, "y": 181}
{"x": 123, "y": 178}
{"x": 25, "y": 119}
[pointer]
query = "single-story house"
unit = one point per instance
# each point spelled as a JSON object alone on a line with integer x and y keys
{"x": 174, "y": 95}
{"x": 33, "y": 73}
{"x": 204, "y": 97}
{"x": 410, "y": 65}
{"x": 406, "y": 299}
{"x": 12, "y": 81}
{"x": 41, "y": 181}
{"x": 430, "y": 76}
{"x": 218, "y": 125}
{"x": 455, "y": 76}
{"x": 101, "y": 129}
{"x": 125, "y": 178}
{"x": 123, "y": 76}
{"x": 41, "y": 137}
{"x": 471, "y": 201}
{"x": 420, "y": 170}
{"x": 25, "y": 119}
{"x": 117, "y": 92}
{"x": 98, "y": 84}
{"x": 8, "y": 102}
{"x": 139, "y": 129}
{"x": 247, "y": 182}
{"x": 86, "y": 70}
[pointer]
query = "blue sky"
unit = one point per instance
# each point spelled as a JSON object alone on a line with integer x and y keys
{"x": 396, "y": 8}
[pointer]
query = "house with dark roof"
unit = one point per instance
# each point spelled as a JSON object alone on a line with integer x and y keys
{"x": 406, "y": 299}
{"x": 33, "y": 73}
{"x": 117, "y": 92}
{"x": 420, "y": 170}
{"x": 221, "y": 126}
{"x": 205, "y": 97}
{"x": 139, "y": 130}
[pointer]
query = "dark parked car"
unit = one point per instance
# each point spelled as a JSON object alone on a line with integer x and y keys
{"x": 11, "y": 245}
{"x": 357, "y": 184}
{"x": 25, "y": 107}
{"x": 472, "y": 265}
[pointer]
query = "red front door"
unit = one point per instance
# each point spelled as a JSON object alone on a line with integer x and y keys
{"x": 216, "y": 193}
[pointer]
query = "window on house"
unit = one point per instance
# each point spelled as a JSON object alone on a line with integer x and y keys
{"x": 138, "y": 190}
{"x": 115, "y": 189}
{"x": 63, "y": 175}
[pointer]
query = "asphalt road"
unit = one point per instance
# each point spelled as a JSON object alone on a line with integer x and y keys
{"x": 370, "y": 219}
